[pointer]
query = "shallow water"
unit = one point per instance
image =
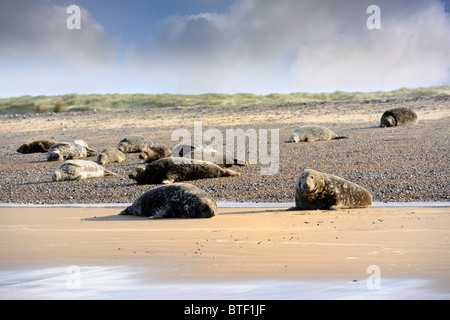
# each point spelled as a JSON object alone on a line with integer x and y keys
{"x": 122, "y": 282}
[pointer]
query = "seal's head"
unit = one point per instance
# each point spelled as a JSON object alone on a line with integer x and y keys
{"x": 137, "y": 174}
{"x": 387, "y": 121}
{"x": 56, "y": 176}
{"x": 309, "y": 180}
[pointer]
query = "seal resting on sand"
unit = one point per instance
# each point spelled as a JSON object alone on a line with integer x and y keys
{"x": 79, "y": 170}
{"x": 155, "y": 152}
{"x": 173, "y": 169}
{"x": 134, "y": 143}
{"x": 179, "y": 200}
{"x": 73, "y": 150}
{"x": 36, "y": 146}
{"x": 398, "y": 117}
{"x": 313, "y": 133}
{"x": 110, "y": 155}
{"x": 317, "y": 190}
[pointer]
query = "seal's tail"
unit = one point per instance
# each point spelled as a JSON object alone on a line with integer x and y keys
{"x": 229, "y": 172}
{"x": 109, "y": 173}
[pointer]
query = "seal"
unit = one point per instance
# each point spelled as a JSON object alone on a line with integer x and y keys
{"x": 73, "y": 150}
{"x": 155, "y": 152}
{"x": 174, "y": 169}
{"x": 179, "y": 200}
{"x": 110, "y": 155}
{"x": 316, "y": 190}
{"x": 79, "y": 170}
{"x": 134, "y": 143}
{"x": 206, "y": 154}
{"x": 38, "y": 146}
{"x": 313, "y": 133}
{"x": 398, "y": 117}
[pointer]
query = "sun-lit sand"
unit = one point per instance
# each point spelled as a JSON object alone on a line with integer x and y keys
{"x": 241, "y": 253}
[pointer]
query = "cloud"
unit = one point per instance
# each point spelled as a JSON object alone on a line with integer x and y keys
{"x": 37, "y": 31}
{"x": 284, "y": 46}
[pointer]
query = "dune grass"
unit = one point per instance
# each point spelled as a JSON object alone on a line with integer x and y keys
{"x": 76, "y": 102}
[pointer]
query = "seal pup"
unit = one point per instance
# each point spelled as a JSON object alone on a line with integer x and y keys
{"x": 313, "y": 133}
{"x": 398, "y": 117}
{"x": 179, "y": 200}
{"x": 79, "y": 170}
{"x": 317, "y": 190}
{"x": 134, "y": 143}
{"x": 174, "y": 169}
{"x": 36, "y": 146}
{"x": 110, "y": 155}
{"x": 155, "y": 152}
{"x": 73, "y": 150}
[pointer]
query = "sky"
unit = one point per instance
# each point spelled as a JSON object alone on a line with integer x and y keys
{"x": 202, "y": 46}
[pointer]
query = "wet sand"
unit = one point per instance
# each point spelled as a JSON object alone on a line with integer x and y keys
{"x": 267, "y": 252}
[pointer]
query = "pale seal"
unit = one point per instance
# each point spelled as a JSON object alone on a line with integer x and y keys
{"x": 179, "y": 200}
{"x": 173, "y": 169}
{"x": 36, "y": 146}
{"x": 73, "y": 150}
{"x": 316, "y": 190}
{"x": 207, "y": 153}
{"x": 110, "y": 155}
{"x": 79, "y": 170}
{"x": 155, "y": 152}
{"x": 398, "y": 117}
{"x": 134, "y": 143}
{"x": 313, "y": 133}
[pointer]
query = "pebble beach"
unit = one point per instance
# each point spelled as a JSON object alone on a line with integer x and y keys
{"x": 397, "y": 164}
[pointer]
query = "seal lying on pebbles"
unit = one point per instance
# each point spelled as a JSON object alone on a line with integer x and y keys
{"x": 218, "y": 158}
{"x": 65, "y": 150}
{"x": 316, "y": 190}
{"x": 206, "y": 154}
{"x": 110, "y": 155}
{"x": 180, "y": 200}
{"x": 36, "y": 146}
{"x": 173, "y": 169}
{"x": 313, "y": 133}
{"x": 398, "y": 117}
{"x": 79, "y": 170}
{"x": 155, "y": 152}
{"x": 134, "y": 143}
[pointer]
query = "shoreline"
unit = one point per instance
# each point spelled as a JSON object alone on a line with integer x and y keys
{"x": 264, "y": 253}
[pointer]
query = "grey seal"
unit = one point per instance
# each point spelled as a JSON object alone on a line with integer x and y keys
{"x": 174, "y": 169}
{"x": 38, "y": 146}
{"x": 155, "y": 152}
{"x": 134, "y": 143}
{"x": 179, "y": 200}
{"x": 79, "y": 170}
{"x": 207, "y": 153}
{"x": 398, "y": 117}
{"x": 313, "y": 133}
{"x": 317, "y": 190}
{"x": 73, "y": 150}
{"x": 110, "y": 155}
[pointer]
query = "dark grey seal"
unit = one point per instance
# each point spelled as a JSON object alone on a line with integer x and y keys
{"x": 38, "y": 146}
{"x": 317, "y": 190}
{"x": 179, "y": 200}
{"x": 174, "y": 169}
{"x": 398, "y": 117}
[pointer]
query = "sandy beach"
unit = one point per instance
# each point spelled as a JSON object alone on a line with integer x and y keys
{"x": 50, "y": 250}
{"x": 241, "y": 253}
